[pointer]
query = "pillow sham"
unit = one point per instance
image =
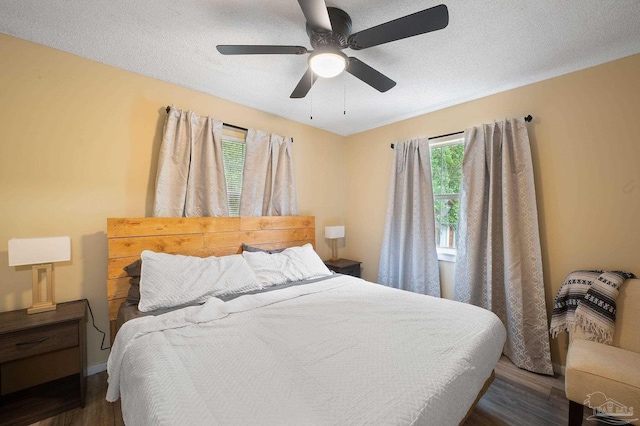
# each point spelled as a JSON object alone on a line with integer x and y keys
{"x": 134, "y": 270}
{"x": 169, "y": 280}
{"x": 293, "y": 264}
{"x": 133, "y": 296}
{"x": 247, "y": 247}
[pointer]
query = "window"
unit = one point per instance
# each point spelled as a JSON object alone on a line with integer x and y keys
{"x": 233, "y": 152}
{"x": 446, "y": 174}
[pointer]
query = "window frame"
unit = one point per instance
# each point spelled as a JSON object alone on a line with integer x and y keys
{"x": 445, "y": 254}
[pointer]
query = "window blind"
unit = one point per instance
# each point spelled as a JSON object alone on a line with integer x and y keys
{"x": 233, "y": 159}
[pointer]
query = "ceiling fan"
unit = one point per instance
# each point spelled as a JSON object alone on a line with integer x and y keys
{"x": 329, "y": 31}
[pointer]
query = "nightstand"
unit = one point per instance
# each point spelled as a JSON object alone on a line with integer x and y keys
{"x": 42, "y": 363}
{"x": 344, "y": 266}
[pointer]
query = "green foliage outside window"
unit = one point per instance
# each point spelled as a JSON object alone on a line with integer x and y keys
{"x": 446, "y": 175}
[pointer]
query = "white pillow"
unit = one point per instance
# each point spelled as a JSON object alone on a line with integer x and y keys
{"x": 169, "y": 280}
{"x": 293, "y": 264}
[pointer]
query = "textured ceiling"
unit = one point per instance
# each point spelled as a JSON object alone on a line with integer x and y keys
{"x": 488, "y": 47}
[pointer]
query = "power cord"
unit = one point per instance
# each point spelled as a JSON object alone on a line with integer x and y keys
{"x": 93, "y": 321}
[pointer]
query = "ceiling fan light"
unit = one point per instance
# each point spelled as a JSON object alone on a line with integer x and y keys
{"x": 328, "y": 64}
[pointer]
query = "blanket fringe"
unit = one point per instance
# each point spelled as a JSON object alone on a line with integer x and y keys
{"x": 593, "y": 330}
{"x": 557, "y": 329}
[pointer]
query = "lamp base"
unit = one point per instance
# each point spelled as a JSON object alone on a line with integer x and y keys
{"x": 42, "y": 292}
{"x": 41, "y": 307}
{"x": 334, "y": 250}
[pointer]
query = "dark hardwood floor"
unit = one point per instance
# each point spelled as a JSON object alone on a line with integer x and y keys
{"x": 516, "y": 397}
{"x": 97, "y": 411}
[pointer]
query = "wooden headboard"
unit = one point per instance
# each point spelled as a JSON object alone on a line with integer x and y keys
{"x": 193, "y": 236}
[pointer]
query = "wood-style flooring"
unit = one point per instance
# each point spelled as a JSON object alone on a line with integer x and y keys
{"x": 516, "y": 398}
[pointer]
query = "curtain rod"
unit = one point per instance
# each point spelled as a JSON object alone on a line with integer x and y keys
{"x": 226, "y": 124}
{"x": 528, "y": 119}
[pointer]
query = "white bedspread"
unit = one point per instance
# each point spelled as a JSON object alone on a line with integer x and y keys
{"x": 337, "y": 352}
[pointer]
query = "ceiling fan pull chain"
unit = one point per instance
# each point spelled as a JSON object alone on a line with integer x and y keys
{"x": 344, "y": 107}
{"x": 311, "y": 97}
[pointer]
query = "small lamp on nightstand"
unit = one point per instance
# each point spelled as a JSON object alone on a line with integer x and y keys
{"x": 333, "y": 233}
{"x": 41, "y": 253}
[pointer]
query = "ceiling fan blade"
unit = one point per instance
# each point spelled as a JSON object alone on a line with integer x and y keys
{"x": 373, "y": 78}
{"x": 432, "y": 19}
{"x": 304, "y": 85}
{"x": 316, "y": 14}
{"x": 233, "y": 49}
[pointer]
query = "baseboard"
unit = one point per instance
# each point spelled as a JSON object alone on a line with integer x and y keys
{"x": 558, "y": 369}
{"x": 94, "y": 369}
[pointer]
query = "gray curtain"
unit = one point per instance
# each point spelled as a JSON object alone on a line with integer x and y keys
{"x": 408, "y": 259}
{"x": 268, "y": 182}
{"x": 499, "y": 264}
{"x": 190, "y": 179}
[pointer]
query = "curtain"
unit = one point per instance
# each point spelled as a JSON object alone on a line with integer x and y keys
{"x": 408, "y": 258}
{"x": 499, "y": 264}
{"x": 268, "y": 182}
{"x": 190, "y": 179}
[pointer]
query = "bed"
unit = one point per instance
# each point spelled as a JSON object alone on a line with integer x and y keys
{"x": 333, "y": 349}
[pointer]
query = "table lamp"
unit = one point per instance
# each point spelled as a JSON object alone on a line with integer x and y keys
{"x": 333, "y": 233}
{"x": 41, "y": 253}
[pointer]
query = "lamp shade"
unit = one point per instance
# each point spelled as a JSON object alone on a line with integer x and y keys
{"x": 331, "y": 232}
{"x": 34, "y": 251}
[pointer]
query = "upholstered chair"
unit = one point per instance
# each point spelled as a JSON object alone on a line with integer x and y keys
{"x": 608, "y": 376}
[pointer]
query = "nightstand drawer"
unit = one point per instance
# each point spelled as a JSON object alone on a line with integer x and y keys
{"x": 38, "y": 340}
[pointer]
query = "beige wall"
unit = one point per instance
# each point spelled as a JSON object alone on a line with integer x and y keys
{"x": 78, "y": 144}
{"x": 585, "y": 141}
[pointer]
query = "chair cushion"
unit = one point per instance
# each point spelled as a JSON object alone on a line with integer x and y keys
{"x": 595, "y": 367}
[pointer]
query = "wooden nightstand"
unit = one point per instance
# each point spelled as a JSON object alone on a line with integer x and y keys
{"x": 344, "y": 266}
{"x": 42, "y": 363}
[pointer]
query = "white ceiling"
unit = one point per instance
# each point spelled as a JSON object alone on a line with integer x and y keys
{"x": 489, "y": 46}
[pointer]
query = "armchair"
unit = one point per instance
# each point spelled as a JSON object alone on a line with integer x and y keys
{"x": 607, "y": 377}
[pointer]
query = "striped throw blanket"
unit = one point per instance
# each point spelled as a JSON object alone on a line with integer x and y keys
{"x": 587, "y": 299}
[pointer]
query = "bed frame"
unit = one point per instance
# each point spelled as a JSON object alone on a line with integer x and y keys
{"x": 193, "y": 236}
